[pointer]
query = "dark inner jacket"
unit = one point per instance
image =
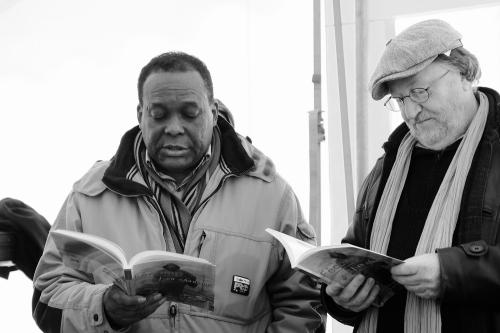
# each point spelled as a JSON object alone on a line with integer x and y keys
{"x": 470, "y": 269}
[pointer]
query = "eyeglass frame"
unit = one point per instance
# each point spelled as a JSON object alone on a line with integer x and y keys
{"x": 401, "y": 100}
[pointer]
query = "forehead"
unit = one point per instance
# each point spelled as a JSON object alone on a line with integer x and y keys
{"x": 174, "y": 85}
{"x": 419, "y": 80}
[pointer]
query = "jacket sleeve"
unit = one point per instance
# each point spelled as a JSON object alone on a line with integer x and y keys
{"x": 470, "y": 274}
{"x": 295, "y": 298}
{"x": 66, "y": 300}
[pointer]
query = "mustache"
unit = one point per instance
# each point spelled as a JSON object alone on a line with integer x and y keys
{"x": 173, "y": 146}
{"x": 421, "y": 117}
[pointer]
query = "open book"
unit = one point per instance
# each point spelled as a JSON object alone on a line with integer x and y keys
{"x": 340, "y": 263}
{"x": 180, "y": 278}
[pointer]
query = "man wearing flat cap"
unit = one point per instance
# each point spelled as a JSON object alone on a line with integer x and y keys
{"x": 433, "y": 198}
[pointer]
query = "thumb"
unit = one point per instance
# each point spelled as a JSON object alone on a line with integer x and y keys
{"x": 404, "y": 269}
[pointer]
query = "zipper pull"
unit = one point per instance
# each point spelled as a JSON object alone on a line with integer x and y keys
{"x": 172, "y": 311}
{"x": 202, "y": 240}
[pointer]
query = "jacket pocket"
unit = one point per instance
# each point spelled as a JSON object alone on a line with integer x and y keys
{"x": 242, "y": 269}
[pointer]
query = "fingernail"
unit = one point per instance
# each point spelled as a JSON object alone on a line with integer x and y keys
{"x": 141, "y": 299}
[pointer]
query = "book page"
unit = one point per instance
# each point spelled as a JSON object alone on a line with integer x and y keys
{"x": 189, "y": 281}
{"x": 294, "y": 247}
{"x": 83, "y": 253}
{"x": 342, "y": 263}
{"x": 152, "y": 255}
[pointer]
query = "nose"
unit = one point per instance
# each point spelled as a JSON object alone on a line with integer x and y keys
{"x": 174, "y": 126}
{"x": 411, "y": 109}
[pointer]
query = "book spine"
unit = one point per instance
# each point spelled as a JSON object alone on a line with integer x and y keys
{"x": 129, "y": 281}
{"x": 128, "y": 274}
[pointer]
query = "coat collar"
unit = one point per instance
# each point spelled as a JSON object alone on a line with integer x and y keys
{"x": 239, "y": 156}
{"x": 477, "y": 198}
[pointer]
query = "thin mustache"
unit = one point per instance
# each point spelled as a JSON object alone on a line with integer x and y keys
{"x": 173, "y": 146}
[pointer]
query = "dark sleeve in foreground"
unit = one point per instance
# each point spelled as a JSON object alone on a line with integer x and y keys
{"x": 470, "y": 275}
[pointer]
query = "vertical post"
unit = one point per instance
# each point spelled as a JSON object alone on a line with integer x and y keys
{"x": 316, "y": 131}
{"x": 342, "y": 85}
{"x": 361, "y": 92}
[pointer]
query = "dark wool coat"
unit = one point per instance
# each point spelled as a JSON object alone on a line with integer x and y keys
{"x": 470, "y": 268}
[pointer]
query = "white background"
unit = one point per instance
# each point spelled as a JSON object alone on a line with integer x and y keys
{"x": 68, "y": 75}
{"x": 68, "y": 72}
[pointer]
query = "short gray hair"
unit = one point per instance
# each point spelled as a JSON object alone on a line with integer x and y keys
{"x": 466, "y": 63}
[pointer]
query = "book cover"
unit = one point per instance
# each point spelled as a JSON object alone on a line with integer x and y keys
{"x": 340, "y": 263}
{"x": 180, "y": 278}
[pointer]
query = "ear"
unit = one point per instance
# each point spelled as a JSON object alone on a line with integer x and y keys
{"x": 466, "y": 84}
{"x": 139, "y": 114}
{"x": 215, "y": 112}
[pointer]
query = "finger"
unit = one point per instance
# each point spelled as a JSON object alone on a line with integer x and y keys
{"x": 415, "y": 289}
{"x": 404, "y": 269}
{"x": 363, "y": 292}
{"x": 150, "y": 308}
{"x": 370, "y": 299}
{"x": 125, "y": 302}
{"x": 406, "y": 280}
{"x": 153, "y": 298}
{"x": 141, "y": 311}
{"x": 351, "y": 289}
{"x": 130, "y": 301}
{"x": 333, "y": 289}
{"x": 116, "y": 298}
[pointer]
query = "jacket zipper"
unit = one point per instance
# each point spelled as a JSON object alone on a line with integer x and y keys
{"x": 198, "y": 210}
{"x": 202, "y": 240}
{"x": 195, "y": 215}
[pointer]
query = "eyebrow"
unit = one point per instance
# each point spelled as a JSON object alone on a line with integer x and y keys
{"x": 154, "y": 105}
{"x": 190, "y": 103}
{"x": 164, "y": 105}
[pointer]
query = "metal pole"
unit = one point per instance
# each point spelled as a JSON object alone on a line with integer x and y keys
{"x": 346, "y": 141}
{"x": 316, "y": 130}
{"x": 361, "y": 92}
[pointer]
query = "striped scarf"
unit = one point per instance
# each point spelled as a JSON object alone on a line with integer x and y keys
{"x": 178, "y": 209}
{"x": 423, "y": 315}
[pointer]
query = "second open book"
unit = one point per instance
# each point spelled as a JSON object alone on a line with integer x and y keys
{"x": 180, "y": 278}
{"x": 340, "y": 263}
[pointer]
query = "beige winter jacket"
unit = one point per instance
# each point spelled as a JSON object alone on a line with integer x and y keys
{"x": 228, "y": 230}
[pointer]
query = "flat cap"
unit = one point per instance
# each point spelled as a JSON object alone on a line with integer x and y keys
{"x": 411, "y": 51}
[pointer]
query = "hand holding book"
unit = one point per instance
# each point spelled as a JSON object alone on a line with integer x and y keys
{"x": 360, "y": 293}
{"x": 123, "y": 310}
{"x": 180, "y": 278}
{"x": 344, "y": 266}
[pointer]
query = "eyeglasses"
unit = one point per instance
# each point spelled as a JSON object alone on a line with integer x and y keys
{"x": 417, "y": 95}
